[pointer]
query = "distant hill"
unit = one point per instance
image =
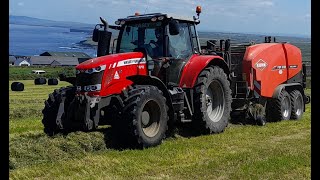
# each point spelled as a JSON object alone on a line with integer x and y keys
{"x": 24, "y": 20}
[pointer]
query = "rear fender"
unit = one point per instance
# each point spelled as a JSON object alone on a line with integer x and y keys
{"x": 287, "y": 87}
{"x": 196, "y": 64}
{"x": 290, "y": 87}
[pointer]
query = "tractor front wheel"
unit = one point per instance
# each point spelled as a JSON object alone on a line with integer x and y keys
{"x": 144, "y": 116}
{"x": 54, "y": 111}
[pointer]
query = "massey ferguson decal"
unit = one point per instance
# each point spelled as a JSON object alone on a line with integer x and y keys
{"x": 131, "y": 62}
{"x": 261, "y": 64}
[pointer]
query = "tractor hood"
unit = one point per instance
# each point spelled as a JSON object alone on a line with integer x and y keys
{"x": 110, "y": 60}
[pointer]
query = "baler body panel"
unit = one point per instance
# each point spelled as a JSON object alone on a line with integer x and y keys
{"x": 268, "y": 65}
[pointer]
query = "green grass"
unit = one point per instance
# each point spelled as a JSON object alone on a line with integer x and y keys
{"x": 24, "y": 73}
{"x": 276, "y": 151}
{"x": 30, "y": 102}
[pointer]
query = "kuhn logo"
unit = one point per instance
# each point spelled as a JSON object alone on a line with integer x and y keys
{"x": 261, "y": 64}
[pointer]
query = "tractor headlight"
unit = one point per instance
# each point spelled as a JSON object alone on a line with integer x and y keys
{"x": 89, "y": 71}
{"x": 160, "y": 18}
{"x": 96, "y": 87}
{"x": 96, "y": 69}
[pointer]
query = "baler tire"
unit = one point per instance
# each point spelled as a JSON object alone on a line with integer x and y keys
{"x": 50, "y": 111}
{"x": 296, "y": 104}
{"x": 144, "y": 117}
{"x": 279, "y": 108}
{"x": 212, "y": 116}
{"x": 40, "y": 81}
{"x": 17, "y": 86}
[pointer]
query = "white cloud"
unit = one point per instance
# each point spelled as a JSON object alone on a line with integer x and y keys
{"x": 20, "y": 3}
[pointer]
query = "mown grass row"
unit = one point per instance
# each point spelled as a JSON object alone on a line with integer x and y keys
{"x": 30, "y": 102}
{"x": 276, "y": 151}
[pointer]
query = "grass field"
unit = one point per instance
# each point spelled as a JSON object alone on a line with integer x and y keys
{"x": 276, "y": 151}
{"x": 24, "y": 73}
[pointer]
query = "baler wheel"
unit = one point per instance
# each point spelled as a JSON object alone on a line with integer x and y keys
{"x": 144, "y": 117}
{"x": 297, "y": 104}
{"x": 279, "y": 108}
{"x": 212, "y": 100}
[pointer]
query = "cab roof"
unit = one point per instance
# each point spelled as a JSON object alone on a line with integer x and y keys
{"x": 150, "y": 16}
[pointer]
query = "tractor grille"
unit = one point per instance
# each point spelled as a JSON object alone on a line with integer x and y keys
{"x": 85, "y": 79}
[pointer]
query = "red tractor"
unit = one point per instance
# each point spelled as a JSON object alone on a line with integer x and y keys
{"x": 160, "y": 76}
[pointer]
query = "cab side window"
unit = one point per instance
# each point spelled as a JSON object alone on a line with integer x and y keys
{"x": 180, "y": 45}
{"x": 194, "y": 38}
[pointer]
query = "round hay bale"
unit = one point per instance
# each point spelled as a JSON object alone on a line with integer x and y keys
{"x": 17, "y": 86}
{"x": 52, "y": 81}
{"x": 39, "y": 81}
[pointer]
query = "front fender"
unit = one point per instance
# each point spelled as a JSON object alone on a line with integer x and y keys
{"x": 195, "y": 65}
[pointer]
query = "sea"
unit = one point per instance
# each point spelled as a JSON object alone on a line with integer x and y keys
{"x": 26, "y": 40}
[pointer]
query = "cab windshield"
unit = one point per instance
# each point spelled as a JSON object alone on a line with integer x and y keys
{"x": 147, "y": 37}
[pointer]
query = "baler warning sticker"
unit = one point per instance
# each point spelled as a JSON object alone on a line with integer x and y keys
{"x": 261, "y": 64}
{"x": 116, "y": 75}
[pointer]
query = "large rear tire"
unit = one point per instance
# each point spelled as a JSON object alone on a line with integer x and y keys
{"x": 54, "y": 121}
{"x": 144, "y": 117}
{"x": 212, "y": 100}
{"x": 279, "y": 108}
{"x": 297, "y": 104}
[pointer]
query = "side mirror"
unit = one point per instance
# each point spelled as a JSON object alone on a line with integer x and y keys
{"x": 104, "y": 43}
{"x": 95, "y": 35}
{"x": 227, "y": 45}
{"x": 174, "y": 27}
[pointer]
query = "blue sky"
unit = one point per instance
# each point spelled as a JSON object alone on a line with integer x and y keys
{"x": 244, "y": 16}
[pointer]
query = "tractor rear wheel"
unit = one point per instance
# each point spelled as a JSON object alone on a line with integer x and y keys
{"x": 279, "y": 108}
{"x": 53, "y": 117}
{"x": 297, "y": 104}
{"x": 144, "y": 117}
{"x": 212, "y": 100}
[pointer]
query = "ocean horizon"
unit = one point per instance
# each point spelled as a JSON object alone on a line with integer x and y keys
{"x": 28, "y": 40}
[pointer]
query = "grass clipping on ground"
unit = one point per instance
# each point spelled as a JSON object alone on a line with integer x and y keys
{"x": 278, "y": 150}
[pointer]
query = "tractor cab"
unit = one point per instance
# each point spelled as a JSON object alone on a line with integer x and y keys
{"x": 167, "y": 41}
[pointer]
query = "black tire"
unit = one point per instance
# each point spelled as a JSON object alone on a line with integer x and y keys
{"x": 52, "y": 81}
{"x": 212, "y": 116}
{"x": 17, "y": 86}
{"x": 51, "y": 112}
{"x": 297, "y": 104}
{"x": 40, "y": 81}
{"x": 144, "y": 117}
{"x": 279, "y": 108}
